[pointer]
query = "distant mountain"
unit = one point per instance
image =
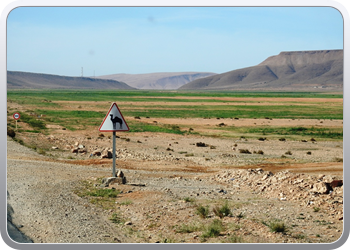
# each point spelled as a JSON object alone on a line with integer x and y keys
{"x": 25, "y": 80}
{"x": 158, "y": 80}
{"x": 299, "y": 70}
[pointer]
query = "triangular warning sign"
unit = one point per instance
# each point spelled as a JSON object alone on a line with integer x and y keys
{"x": 114, "y": 121}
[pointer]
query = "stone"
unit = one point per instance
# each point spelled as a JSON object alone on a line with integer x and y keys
{"x": 113, "y": 180}
{"x": 321, "y": 188}
{"x": 74, "y": 150}
{"x": 128, "y": 223}
{"x": 96, "y": 153}
{"x": 120, "y": 173}
{"x": 106, "y": 154}
{"x": 336, "y": 183}
{"x": 82, "y": 150}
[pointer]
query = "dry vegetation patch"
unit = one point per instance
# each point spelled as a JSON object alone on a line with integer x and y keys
{"x": 202, "y": 184}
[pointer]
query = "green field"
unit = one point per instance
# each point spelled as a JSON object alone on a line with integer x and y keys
{"x": 88, "y": 108}
{"x": 104, "y": 95}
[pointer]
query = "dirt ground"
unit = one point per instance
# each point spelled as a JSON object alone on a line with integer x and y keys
{"x": 169, "y": 176}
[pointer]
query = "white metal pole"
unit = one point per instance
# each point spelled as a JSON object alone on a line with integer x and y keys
{"x": 114, "y": 154}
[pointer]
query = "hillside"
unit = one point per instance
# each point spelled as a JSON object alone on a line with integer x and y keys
{"x": 299, "y": 70}
{"x": 158, "y": 80}
{"x": 25, "y": 80}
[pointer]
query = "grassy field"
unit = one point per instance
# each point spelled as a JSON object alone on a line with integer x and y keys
{"x": 82, "y": 109}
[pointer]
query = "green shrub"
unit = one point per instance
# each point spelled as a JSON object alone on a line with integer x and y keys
{"x": 235, "y": 239}
{"x": 277, "y": 226}
{"x": 126, "y": 202}
{"x": 107, "y": 193}
{"x": 188, "y": 199}
{"x": 32, "y": 121}
{"x": 222, "y": 211}
{"x": 116, "y": 219}
{"x": 202, "y": 211}
{"x": 184, "y": 228}
{"x": 317, "y": 209}
{"x": 213, "y": 230}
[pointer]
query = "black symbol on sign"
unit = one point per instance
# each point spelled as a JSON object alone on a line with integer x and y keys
{"x": 116, "y": 120}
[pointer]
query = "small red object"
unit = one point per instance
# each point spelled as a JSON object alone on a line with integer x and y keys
{"x": 16, "y": 116}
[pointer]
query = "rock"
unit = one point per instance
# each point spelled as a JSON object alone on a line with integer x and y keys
{"x": 321, "y": 188}
{"x": 120, "y": 173}
{"x": 74, "y": 150}
{"x": 96, "y": 153}
{"x": 82, "y": 150}
{"x": 320, "y": 177}
{"x": 336, "y": 183}
{"x": 201, "y": 144}
{"x": 128, "y": 223}
{"x": 113, "y": 180}
{"x": 106, "y": 154}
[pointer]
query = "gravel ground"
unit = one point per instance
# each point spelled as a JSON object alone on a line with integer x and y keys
{"x": 154, "y": 205}
{"x": 45, "y": 208}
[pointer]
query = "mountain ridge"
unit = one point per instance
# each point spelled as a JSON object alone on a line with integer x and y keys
{"x": 290, "y": 70}
{"x": 28, "y": 80}
{"x": 158, "y": 80}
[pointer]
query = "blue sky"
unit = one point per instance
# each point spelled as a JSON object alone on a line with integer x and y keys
{"x": 134, "y": 40}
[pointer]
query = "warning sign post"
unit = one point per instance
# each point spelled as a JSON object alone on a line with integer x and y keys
{"x": 16, "y": 116}
{"x": 114, "y": 121}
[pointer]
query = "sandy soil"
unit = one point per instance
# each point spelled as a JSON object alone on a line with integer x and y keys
{"x": 169, "y": 177}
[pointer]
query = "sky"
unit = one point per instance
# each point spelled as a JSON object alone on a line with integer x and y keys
{"x": 95, "y": 41}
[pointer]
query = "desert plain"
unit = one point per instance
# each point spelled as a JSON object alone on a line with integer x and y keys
{"x": 199, "y": 168}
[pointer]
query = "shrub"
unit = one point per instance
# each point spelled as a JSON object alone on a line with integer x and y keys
{"x": 240, "y": 216}
{"x": 188, "y": 199}
{"x": 33, "y": 122}
{"x": 40, "y": 151}
{"x": 308, "y": 152}
{"x": 126, "y": 202}
{"x": 116, "y": 219}
{"x": 337, "y": 159}
{"x": 278, "y": 227}
{"x": 244, "y": 151}
{"x": 222, "y": 211}
{"x": 186, "y": 228}
{"x": 188, "y": 155}
{"x": 213, "y": 230}
{"x": 316, "y": 209}
{"x": 202, "y": 211}
{"x": 288, "y": 153}
{"x": 110, "y": 193}
{"x": 235, "y": 239}
{"x": 11, "y": 132}
{"x": 282, "y": 139}
{"x": 260, "y": 152}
